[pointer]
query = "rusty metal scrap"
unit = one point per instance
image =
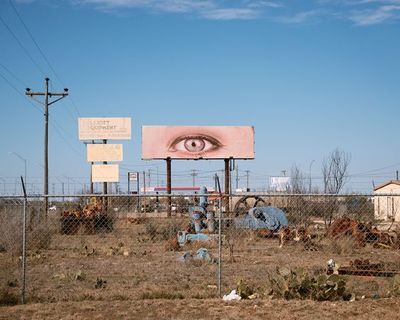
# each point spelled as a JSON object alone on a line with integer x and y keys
{"x": 299, "y": 235}
{"x": 363, "y": 267}
{"x": 362, "y": 233}
{"x": 88, "y": 216}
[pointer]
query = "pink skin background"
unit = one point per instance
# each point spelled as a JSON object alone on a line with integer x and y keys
{"x": 237, "y": 142}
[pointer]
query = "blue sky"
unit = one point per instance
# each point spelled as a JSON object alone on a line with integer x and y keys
{"x": 310, "y": 76}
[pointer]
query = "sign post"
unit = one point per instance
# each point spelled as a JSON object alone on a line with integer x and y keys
{"x": 134, "y": 176}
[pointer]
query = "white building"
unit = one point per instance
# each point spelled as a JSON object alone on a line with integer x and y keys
{"x": 387, "y": 206}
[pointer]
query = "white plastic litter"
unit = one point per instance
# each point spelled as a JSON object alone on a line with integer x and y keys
{"x": 232, "y": 296}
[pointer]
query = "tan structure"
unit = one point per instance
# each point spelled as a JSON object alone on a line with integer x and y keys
{"x": 387, "y": 206}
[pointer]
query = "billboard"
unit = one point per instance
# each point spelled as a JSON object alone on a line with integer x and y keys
{"x": 105, "y": 173}
{"x": 280, "y": 184}
{"x": 104, "y": 152}
{"x": 197, "y": 142}
{"x": 104, "y": 128}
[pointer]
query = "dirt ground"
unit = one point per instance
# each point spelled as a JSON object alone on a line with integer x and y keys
{"x": 129, "y": 273}
{"x": 206, "y": 309}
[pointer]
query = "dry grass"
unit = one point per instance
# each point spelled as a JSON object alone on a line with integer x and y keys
{"x": 135, "y": 266}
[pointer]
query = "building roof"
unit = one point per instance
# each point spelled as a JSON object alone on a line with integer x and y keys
{"x": 396, "y": 182}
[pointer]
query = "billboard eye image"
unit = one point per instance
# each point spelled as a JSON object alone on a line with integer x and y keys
{"x": 197, "y": 142}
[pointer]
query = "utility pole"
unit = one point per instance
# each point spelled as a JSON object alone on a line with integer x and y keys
{"x": 144, "y": 182}
{"x": 149, "y": 176}
{"x": 194, "y": 174}
{"x": 157, "y": 178}
{"x": 47, "y": 95}
{"x": 247, "y": 179}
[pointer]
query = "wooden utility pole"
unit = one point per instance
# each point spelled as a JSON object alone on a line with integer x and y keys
{"x": 194, "y": 174}
{"x": 47, "y": 95}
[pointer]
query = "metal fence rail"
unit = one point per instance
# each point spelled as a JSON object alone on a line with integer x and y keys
{"x": 117, "y": 247}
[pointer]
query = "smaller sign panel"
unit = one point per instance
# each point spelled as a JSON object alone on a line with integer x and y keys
{"x": 104, "y": 128}
{"x": 104, "y": 152}
{"x": 105, "y": 173}
{"x": 133, "y": 176}
{"x": 280, "y": 184}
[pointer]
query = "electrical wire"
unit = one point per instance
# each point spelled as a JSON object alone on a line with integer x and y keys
{"x": 22, "y": 47}
{"x": 16, "y": 90}
{"x": 40, "y": 50}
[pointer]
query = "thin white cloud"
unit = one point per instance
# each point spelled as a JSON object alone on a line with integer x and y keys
{"x": 231, "y": 14}
{"x": 300, "y": 17}
{"x": 161, "y": 5}
{"x": 376, "y": 16}
{"x": 359, "y": 12}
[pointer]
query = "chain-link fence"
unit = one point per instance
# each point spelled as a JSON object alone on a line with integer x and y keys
{"x": 147, "y": 247}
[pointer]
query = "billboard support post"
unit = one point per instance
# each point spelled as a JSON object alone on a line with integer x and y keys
{"x": 129, "y": 191}
{"x": 168, "y": 160}
{"x": 91, "y": 179}
{"x": 227, "y": 185}
{"x": 105, "y": 191}
{"x": 138, "y": 191}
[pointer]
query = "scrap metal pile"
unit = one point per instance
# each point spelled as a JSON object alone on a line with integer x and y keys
{"x": 92, "y": 217}
{"x": 363, "y": 233}
{"x": 362, "y": 267}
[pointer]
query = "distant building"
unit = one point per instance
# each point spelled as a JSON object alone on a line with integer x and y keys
{"x": 387, "y": 206}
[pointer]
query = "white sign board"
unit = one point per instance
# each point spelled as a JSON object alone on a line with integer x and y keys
{"x": 104, "y": 128}
{"x": 133, "y": 176}
{"x": 105, "y": 173}
{"x": 104, "y": 152}
{"x": 280, "y": 184}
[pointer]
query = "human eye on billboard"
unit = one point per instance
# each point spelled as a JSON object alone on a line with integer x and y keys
{"x": 194, "y": 143}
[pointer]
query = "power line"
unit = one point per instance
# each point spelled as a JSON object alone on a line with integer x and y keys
{"x": 40, "y": 50}
{"x": 13, "y": 87}
{"x": 34, "y": 41}
{"x": 22, "y": 46}
{"x": 13, "y": 75}
{"x": 54, "y": 124}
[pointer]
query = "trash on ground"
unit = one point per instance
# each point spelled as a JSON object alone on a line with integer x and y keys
{"x": 201, "y": 254}
{"x": 232, "y": 296}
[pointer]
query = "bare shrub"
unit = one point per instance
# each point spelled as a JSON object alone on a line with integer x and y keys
{"x": 151, "y": 229}
{"x": 8, "y": 298}
{"x": 40, "y": 237}
{"x": 170, "y": 230}
{"x": 11, "y": 232}
{"x": 343, "y": 246}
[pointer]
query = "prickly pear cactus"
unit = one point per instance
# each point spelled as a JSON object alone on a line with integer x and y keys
{"x": 298, "y": 284}
{"x": 243, "y": 289}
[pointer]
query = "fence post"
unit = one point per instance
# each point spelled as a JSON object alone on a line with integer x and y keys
{"x": 23, "y": 244}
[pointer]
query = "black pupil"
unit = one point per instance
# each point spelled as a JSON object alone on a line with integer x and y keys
{"x": 193, "y": 144}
